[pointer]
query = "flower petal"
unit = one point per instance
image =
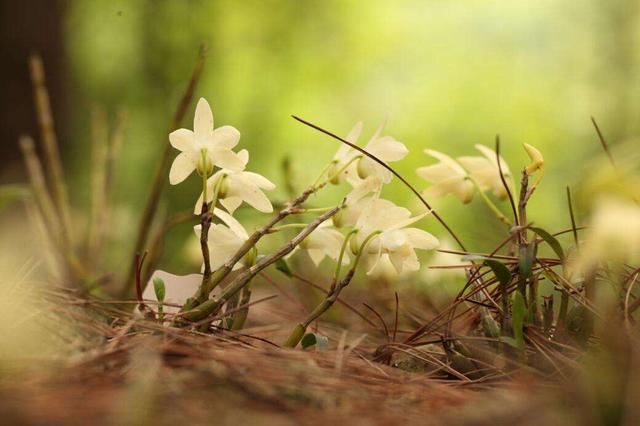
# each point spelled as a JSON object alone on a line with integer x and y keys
{"x": 227, "y": 159}
{"x": 231, "y": 203}
{"x": 387, "y": 148}
{"x": 316, "y": 255}
{"x": 354, "y": 134}
{"x": 259, "y": 180}
{"x": 446, "y": 160}
{"x": 182, "y": 139}
{"x": 181, "y": 168}
{"x": 243, "y": 188}
{"x": 226, "y": 137}
{"x": 435, "y": 172}
{"x": 420, "y": 239}
{"x": 203, "y": 120}
{"x": 364, "y": 188}
{"x": 224, "y": 244}
{"x": 232, "y": 223}
{"x": 177, "y": 289}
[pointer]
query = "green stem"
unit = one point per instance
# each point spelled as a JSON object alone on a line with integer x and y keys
{"x": 205, "y": 221}
{"x": 340, "y": 257}
{"x": 204, "y": 189}
{"x": 317, "y": 209}
{"x": 160, "y": 313}
{"x": 501, "y": 217}
{"x": 298, "y": 332}
{"x": 288, "y": 226}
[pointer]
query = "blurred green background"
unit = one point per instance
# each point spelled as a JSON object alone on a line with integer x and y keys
{"x": 446, "y": 75}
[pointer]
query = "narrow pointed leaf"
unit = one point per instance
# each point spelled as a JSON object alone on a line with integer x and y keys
{"x": 551, "y": 240}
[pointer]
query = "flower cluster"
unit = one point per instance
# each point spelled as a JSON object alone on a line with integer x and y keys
{"x": 377, "y": 229}
{"x": 363, "y": 229}
{"x": 209, "y": 151}
{"x": 467, "y": 175}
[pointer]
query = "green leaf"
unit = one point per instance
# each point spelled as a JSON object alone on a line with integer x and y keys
{"x": 490, "y": 326}
{"x": 526, "y": 256}
{"x": 158, "y": 287}
{"x": 12, "y": 193}
{"x": 551, "y": 240}
{"x": 282, "y": 266}
{"x": 519, "y": 310}
{"x": 501, "y": 272}
{"x": 308, "y": 339}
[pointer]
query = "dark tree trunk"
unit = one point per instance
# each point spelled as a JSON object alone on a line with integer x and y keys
{"x": 28, "y": 26}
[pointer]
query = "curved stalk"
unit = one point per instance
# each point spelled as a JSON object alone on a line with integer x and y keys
{"x": 298, "y": 332}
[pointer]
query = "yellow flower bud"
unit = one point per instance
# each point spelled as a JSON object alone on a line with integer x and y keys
{"x": 537, "y": 160}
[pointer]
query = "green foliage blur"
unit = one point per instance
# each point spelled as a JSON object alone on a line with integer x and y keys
{"x": 445, "y": 74}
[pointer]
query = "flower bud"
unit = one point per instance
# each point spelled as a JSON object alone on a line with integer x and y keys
{"x": 537, "y": 160}
{"x": 365, "y": 167}
{"x": 333, "y": 173}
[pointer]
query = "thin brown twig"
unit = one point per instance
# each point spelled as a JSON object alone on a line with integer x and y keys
{"x": 219, "y": 274}
{"x": 395, "y": 322}
{"x": 211, "y": 306}
{"x": 382, "y": 321}
{"x": 505, "y": 184}
{"x": 574, "y": 229}
{"x": 603, "y": 142}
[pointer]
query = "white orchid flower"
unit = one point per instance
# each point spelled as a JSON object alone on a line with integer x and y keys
{"x": 325, "y": 241}
{"x": 177, "y": 290}
{"x": 386, "y": 149}
{"x": 225, "y": 240}
{"x": 239, "y": 186}
{"x": 203, "y": 148}
{"x": 393, "y": 240}
{"x": 357, "y": 200}
{"x": 447, "y": 177}
{"x": 345, "y": 159}
{"x": 485, "y": 172}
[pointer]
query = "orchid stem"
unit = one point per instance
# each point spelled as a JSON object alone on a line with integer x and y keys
{"x": 298, "y": 331}
{"x": 501, "y": 217}
{"x": 287, "y": 226}
{"x": 340, "y": 257}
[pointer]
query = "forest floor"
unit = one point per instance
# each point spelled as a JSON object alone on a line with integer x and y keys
{"x": 138, "y": 374}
